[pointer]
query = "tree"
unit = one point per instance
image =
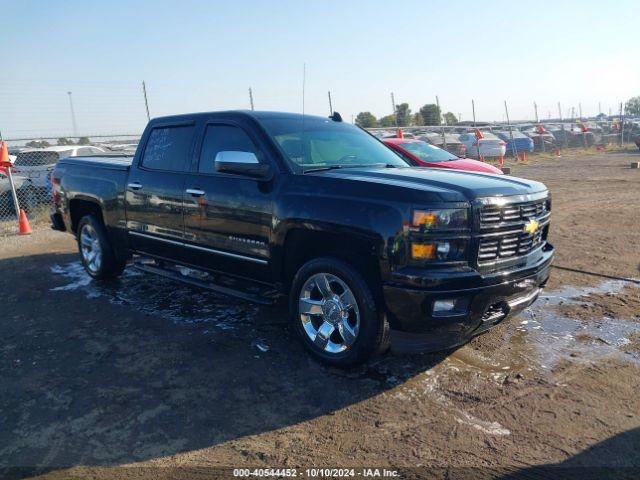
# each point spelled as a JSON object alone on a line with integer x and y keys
{"x": 84, "y": 141}
{"x": 403, "y": 114}
{"x": 37, "y": 144}
{"x": 387, "y": 121}
{"x": 366, "y": 120}
{"x": 633, "y": 106}
{"x": 64, "y": 141}
{"x": 431, "y": 114}
{"x": 417, "y": 119}
{"x": 450, "y": 119}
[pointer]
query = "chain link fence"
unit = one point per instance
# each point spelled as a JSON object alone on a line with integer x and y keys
{"x": 33, "y": 165}
{"x": 487, "y": 140}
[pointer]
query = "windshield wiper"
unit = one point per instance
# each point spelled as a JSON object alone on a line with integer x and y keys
{"x": 336, "y": 167}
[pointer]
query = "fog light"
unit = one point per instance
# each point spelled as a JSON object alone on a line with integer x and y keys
{"x": 443, "y": 248}
{"x": 450, "y": 306}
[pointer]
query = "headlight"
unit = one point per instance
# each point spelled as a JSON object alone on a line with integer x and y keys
{"x": 441, "y": 219}
{"x": 439, "y": 250}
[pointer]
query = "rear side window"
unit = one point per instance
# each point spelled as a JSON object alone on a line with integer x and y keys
{"x": 223, "y": 138}
{"x": 168, "y": 148}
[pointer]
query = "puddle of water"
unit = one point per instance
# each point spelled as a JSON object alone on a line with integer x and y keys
{"x": 556, "y": 337}
{"x": 539, "y": 338}
{"x": 161, "y": 297}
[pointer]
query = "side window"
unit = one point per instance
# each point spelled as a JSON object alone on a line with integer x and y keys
{"x": 223, "y": 138}
{"x": 168, "y": 148}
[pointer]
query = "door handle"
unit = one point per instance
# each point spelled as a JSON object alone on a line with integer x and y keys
{"x": 134, "y": 186}
{"x": 195, "y": 192}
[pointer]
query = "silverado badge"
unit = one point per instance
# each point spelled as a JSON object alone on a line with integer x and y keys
{"x": 531, "y": 226}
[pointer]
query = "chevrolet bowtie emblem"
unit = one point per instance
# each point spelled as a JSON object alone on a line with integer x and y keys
{"x": 531, "y": 226}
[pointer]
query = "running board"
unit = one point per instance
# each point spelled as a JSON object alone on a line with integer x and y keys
{"x": 189, "y": 275}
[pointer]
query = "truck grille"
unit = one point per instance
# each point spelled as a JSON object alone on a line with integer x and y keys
{"x": 508, "y": 246}
{"x": 514, "y": 242}
{"x": 494, "y": 215}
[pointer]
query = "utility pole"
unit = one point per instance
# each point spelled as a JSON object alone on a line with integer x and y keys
{"x": 473, "y": 111}
{"x": 251, "y": 98}
{"x": 599, "y": 108}
{"x": 444, "y": 139}
{"x": 580, "y": 110}
{"x": 535, "y": 108}
{"x": 393, "y": 105}
{"x": 304, "y": 83}
{"x": 514, "y": 149}
{"x": 330, "y": 104}
{"x": 621, "y": 125}
{"x": 73, "y": 116}
{"x": 146, "y": 102}
{"x": 564, "y": 135}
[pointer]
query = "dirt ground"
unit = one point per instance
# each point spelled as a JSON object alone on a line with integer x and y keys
{"x": 145, "y": 378}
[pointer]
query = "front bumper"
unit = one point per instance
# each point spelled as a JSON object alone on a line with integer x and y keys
{"x": 488, "y": 299}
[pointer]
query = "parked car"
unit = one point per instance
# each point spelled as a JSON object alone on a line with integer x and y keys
{"x": 423, "y": 154}
{"x": 36, "y": 164}
{"x": 522, "y": 142}
{"x": 542, "y": 139}
{"x": 487, "y": 146}
{"x": 451, "y": 143}
{"x": 368, "y": 249}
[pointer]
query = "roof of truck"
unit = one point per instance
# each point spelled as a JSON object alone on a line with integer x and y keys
{"x": 249, "y": 113}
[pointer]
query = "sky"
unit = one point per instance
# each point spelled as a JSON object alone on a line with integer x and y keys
{"x": 204, "y": 56}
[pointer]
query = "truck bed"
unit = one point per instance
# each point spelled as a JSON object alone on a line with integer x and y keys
{"x": 115, "y": 162}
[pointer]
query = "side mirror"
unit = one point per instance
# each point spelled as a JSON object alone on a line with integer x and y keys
{"x": 242, "y": 163}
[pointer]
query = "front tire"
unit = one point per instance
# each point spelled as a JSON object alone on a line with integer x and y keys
{"x": 97, "y": 254}
{"x": 335, "y": 314}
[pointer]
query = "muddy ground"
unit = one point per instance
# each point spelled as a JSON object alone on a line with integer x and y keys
{"x": 145, "y": 378}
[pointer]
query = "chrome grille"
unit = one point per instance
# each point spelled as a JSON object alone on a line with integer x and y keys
{"x": 502, "y": 229}
{"x": 494, "y": 215}
{"x": 508, "y": 246}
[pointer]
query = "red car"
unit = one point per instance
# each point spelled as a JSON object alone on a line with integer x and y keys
{"x": 423, "y": 154}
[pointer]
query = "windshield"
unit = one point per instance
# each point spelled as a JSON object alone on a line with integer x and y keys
{"x": 328, "y": 144}
{"x": 427, "y": 153}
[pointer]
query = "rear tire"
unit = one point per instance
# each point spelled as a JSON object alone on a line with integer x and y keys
{"x": 334, "y": 312}
{"x": 96, "y": 252}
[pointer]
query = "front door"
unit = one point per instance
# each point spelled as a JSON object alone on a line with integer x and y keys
{"x": 155, "y": 189}
{"x": 228, "y": 217}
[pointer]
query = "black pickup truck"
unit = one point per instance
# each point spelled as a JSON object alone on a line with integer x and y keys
{"x": 261, "y": 205}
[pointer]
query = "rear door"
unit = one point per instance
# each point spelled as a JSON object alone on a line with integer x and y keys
{"x": 154, "y": 191}
{"x": 228, "y": 216}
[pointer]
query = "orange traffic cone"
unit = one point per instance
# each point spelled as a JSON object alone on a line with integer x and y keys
{"x": 501, "y": 160}
{"x": 557, "y": 152}
{"x": 4, "y": 155}
{"x": 523, "y": 156}
{"x": 23, "y": 223}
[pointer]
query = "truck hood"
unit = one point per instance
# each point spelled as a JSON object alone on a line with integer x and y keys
{"x": 449, "y": 185}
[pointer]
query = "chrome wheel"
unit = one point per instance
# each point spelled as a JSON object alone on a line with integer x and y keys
{"x": 329, "y": 313}
{"x": 90, "y": 248}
